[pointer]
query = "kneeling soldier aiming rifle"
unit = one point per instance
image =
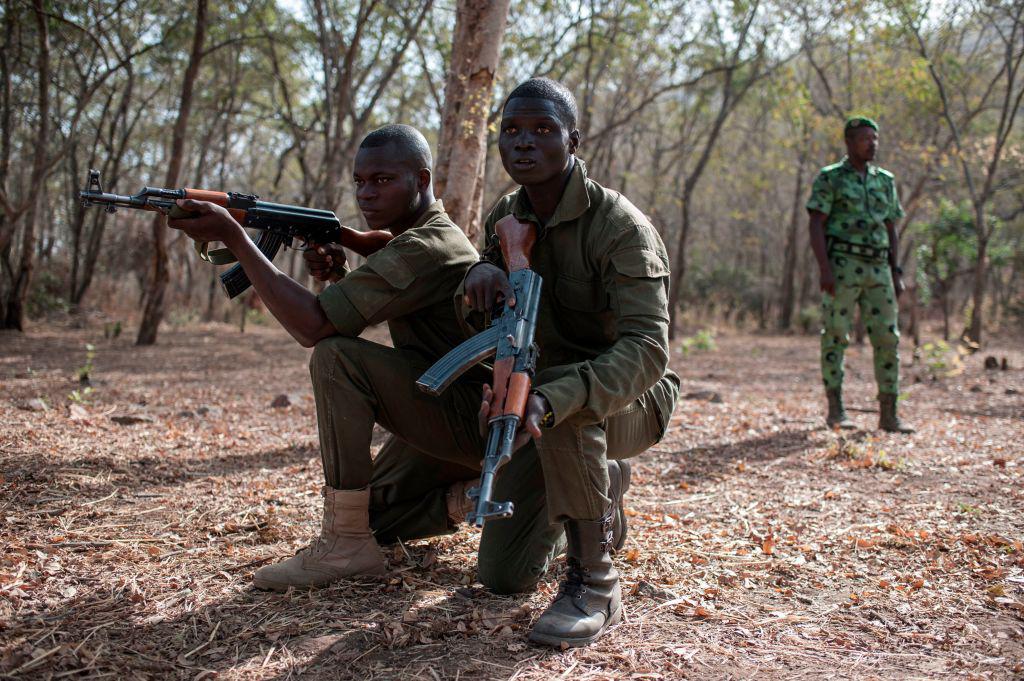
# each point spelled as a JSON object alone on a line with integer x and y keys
{"x": 409, "y": 283}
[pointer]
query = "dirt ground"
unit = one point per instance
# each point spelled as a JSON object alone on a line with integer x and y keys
{"x": 132, "y": 516}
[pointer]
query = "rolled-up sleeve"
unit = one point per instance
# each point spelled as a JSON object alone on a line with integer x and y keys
{"x": 387, "y": 285}
{"x": 636, "y": 276}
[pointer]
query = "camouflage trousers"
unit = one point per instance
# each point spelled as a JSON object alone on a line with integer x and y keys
{"x": 868, "y": 284}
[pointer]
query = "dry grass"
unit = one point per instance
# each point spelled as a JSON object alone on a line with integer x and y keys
{"x": 761, "y": 544}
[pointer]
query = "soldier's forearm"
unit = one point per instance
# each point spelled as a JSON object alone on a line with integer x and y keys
{"x": 894, "y": 246}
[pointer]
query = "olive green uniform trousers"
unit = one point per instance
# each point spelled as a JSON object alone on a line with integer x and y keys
{"x": 435, "y": 441}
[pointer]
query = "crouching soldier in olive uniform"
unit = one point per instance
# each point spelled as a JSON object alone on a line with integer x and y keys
{"x": 409, "y": 284}
{"x": 853, "y": 207}
{"x": 603, "y": 390}
{"x": 416, "y": 485}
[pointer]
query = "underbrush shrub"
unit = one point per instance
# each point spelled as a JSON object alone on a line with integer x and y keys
{"x": 809, "y": 319}
{"x": 46, "y": 295}
{"x": 702, "y": 341}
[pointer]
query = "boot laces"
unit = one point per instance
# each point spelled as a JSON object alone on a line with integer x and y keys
{"x": 574, "y": 585}
{"x": 312, "y": 548}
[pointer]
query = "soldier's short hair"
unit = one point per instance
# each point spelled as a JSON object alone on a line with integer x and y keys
{"x": 409, "y": 143}
{"x": 554, "y": 92}
{"x": 855, "y": 123}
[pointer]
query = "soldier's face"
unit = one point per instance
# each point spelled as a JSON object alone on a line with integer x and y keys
{"x": 534, "y": 143}
{"x": 863, "y": 144}
{"x": 387, "y": 189}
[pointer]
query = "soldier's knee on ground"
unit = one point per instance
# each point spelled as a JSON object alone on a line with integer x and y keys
{"x": 506, "y": 578}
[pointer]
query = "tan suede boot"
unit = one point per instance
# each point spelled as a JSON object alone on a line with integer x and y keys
{"x": 345, "y": 547}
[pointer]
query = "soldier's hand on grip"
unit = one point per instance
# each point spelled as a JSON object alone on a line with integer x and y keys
{"x": 486, "y": 284}
{"x": 324, "y": 261}
{"x": 536, "y": 408}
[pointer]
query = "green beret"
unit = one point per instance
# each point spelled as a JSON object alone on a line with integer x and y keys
{"x": 855, "y": 122}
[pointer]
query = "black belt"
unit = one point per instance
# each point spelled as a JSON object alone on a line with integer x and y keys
{"x": 857, "y": 250}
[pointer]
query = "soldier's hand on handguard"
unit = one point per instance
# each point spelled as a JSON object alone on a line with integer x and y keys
{"x": 828, "y": 282}
{"x": 486, "y": 284}
{"x": 324, "y": 261}
{"x": 536, "y": 407}
{"x": 210, "y": 222}
{"x": 897, "y": 284}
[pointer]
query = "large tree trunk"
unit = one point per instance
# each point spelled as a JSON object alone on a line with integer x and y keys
{"x": 14, "y": 306}
{"x": 153, "y": 312}
{"x": 462, "y": 147}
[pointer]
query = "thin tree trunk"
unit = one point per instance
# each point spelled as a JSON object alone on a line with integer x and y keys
{"x": 787, "y": 295}
{"x": 980, "y": 278}
{"x": 118, "y": 138}
{"x": 14, "y": 307}
{"x": 153, "y": 312}
{"x": 679, "y": 269}
{"x": 462, "y": 146}
{"x": 915, "y": 308}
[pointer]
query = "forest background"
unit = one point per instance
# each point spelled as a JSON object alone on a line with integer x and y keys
{"x": 712, "y": 116}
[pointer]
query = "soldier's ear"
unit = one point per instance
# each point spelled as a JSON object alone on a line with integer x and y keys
{"x": 423, "y": 179}
{"x": 574, "y": 140}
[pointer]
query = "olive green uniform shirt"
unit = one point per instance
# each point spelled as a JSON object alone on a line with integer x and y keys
{"x": 408, "y": 284}
{"x": 857, "y": 208}
{"x": 602, "y": 326}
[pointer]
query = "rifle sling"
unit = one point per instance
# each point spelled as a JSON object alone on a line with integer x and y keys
{"x": 218, "y": 256}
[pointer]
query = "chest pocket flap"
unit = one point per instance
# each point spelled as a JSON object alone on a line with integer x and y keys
{"x": 640, "y": 262}
{"x": 581, "y": 295}
{"x": 392, "y": 267}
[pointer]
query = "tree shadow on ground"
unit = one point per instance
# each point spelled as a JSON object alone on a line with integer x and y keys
{"x": 1002, "y": 411}
{"x": 162, "y": 470}
{"x": 705, "y": 461}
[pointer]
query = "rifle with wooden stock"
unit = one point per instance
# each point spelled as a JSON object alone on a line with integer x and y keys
{"x": 510, "y": 340}
{"x": 279, "y": 224}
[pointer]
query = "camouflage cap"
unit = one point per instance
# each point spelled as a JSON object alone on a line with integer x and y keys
{"x": 854, "y": 122}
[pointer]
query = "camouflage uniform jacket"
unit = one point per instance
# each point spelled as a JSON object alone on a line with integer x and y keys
{"x": 857, "y": 208}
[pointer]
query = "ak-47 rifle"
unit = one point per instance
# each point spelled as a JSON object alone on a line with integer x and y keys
{"x": 510, "y": 340}
{"x": 279, "y": 224}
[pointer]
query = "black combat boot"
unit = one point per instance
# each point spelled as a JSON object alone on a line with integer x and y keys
{"x": 589, "y": 599}
{"x": 887, "y": 418}
{"x": 618, "y": 485}
{"x": 836, "y": 412}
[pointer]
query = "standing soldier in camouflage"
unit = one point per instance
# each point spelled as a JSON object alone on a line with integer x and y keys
{"x": 853, "y": 208}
